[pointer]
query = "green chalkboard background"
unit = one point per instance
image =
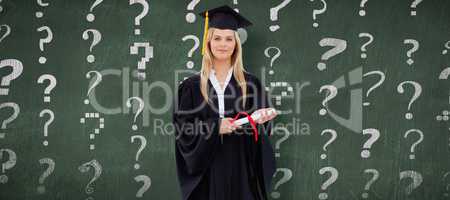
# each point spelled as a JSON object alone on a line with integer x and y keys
{"x": 301, "y": 136}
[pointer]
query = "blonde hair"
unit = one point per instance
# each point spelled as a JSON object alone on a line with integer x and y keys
{"x": 236, "y": 63}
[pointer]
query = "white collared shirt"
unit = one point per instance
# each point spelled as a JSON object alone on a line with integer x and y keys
{"x": 220, "y": 91}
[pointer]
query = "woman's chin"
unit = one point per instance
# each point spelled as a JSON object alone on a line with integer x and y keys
{"x": 222, "y": 57}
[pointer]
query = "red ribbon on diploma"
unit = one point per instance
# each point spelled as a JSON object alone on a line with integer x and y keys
{"x": 252, "y": 122}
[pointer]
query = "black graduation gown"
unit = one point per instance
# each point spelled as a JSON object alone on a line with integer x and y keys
{"x": 227, "y": 167}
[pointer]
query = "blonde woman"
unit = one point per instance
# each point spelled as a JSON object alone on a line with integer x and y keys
{"x": 216, "y": 158}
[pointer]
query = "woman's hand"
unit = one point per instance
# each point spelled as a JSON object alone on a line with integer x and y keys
{"x": 266, "y": 115}
{"x": 226, "y": 126}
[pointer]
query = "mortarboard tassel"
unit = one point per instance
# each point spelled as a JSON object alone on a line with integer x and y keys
{"x": 205, "y": 33}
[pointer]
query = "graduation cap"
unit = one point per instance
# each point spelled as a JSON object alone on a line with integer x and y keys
{"x": 222, "y": 17}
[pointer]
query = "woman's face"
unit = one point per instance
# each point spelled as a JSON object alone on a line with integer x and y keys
{"x": 222, "y": 44}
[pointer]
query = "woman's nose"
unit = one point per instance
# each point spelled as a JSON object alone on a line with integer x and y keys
{"x": 223, "y": 44}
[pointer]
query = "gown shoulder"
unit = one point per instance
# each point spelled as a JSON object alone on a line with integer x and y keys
{"x": 192, "y": 79}
{"x": 251, "y": 77}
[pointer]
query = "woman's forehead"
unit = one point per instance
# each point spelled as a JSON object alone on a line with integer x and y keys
{"x": 223, "y": 32}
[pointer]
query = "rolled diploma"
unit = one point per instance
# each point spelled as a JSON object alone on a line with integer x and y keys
{"x": 255, "y": 117}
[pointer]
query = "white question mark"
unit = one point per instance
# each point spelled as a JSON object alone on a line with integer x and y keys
{"x": 374, "y": 178}
{"x": 274, "y": 14}
{"x": 317, "y": 12}
{"x": 140, "y": 109}
{"x": 338, "y": 47}
{"x": 447, "y": 187}
{"x": 415, "y": 47}
{"x": 363, "y": 47}
{"x": 447, "y": 46}
{"x": 413, "y": 146}
{"x": 416, "y": 180}
{"x": 332, "y": 92}
{"x": 137, "y": 19}
{"x": 242, "y": 35}
{"x": 376, "y": 85}
{"x": 374, "y": 135}
{"x": 47, "y": 172}
{"x": 190, "y": 17}
{"x": 190, "y": 64}
{"x": 7, "y": 32}
{"x": 286, "y": 88}
{"x": 414, "y": 5}
{"x": 51, "y": 85}
{"x": 93, "y": 116}
{"x": 98, "y": 79}
{"x": 11, "y": 118}
{"x": 43, "y": 41}
{"x": 141, "y": 147}
{"x": 284, "y": 138}
{"x": 444, "y": 74}
{"x": 17, "y": 69}
{"x": 362, "y": 12}
{"x": 39, "y": 14}
{"x": 97, "y": 172}
{"x": 91, "y": 17}
{"x": 331, "y": 140}
{"x": 334, "y": 176}
{"x": 147, "y": 183}
{"x": 97, "y": 37}
{"x": 444, "y": 116}
{"x": 47, "y": 123}
{"x": 287, "y": 175}
{"x": 9, "y": 164}
{"x": 148, "y": 54}
{"x": 417, "y": 92}
{"x": 277, "y": 54}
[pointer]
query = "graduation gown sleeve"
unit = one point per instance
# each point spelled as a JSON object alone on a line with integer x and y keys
{"x": 265, "y": 157}
{"x": 196, "y": 139}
